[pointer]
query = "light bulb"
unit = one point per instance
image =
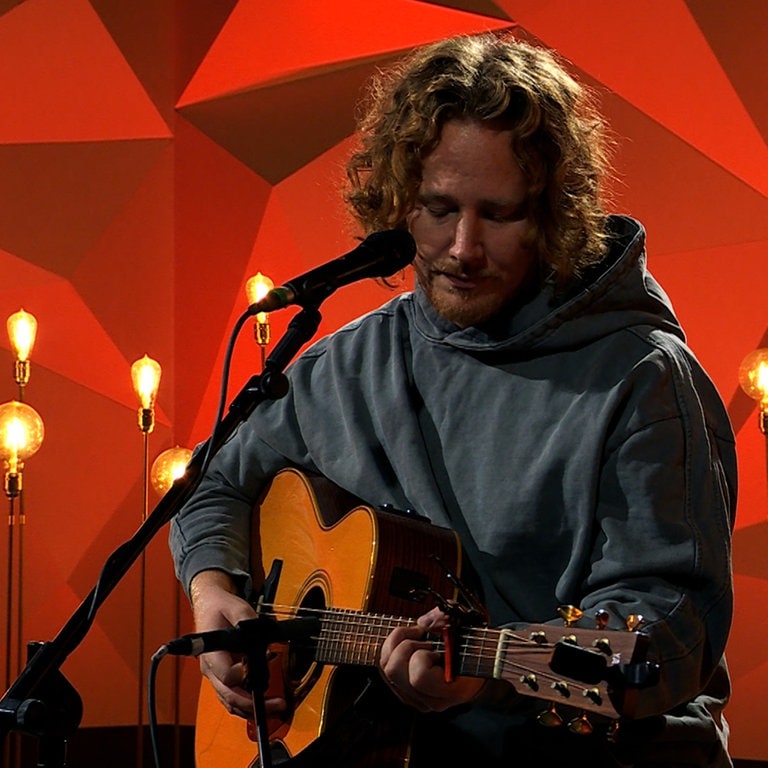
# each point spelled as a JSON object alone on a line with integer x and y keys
{"x": 170, "y": 465}
{"x": 753, "y": 378}
{"x": 256, "y": 288}
{"x": 21, "y": 435}
{"x": 22, "y": 331}
{"x": 145, "y": 374}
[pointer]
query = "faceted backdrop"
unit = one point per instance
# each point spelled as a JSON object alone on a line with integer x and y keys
{"x": 155, "y": 154}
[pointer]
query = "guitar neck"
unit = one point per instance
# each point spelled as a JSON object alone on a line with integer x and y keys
{"x": 353, "y": 638}
{"x": 524, "y": 658}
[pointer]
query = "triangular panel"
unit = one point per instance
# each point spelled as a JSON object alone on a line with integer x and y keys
{"x": 66, "y": 80}
{"x": 255, "y": 47}
{"x": 655, "y": 56}
{"x": 56, "y": 199}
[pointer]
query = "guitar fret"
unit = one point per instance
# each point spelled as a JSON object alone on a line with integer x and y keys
{"x": 478, "y": 652}
{"x": 498, "y": 665}
{"x": 348, "y": 637}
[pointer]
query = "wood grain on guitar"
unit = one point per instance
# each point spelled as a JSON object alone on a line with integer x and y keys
{"x": 363, "y": 573}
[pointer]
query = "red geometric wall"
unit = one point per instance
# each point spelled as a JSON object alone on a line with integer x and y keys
{"x": 153, "y": 155}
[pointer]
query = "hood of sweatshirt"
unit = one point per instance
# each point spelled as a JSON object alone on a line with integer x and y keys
{"x": 616, "y": 294}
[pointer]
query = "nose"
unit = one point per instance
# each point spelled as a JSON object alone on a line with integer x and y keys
{"x": 467, "y": 245}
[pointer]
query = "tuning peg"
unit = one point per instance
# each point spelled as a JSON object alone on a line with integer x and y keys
{"x": 634, "y": 620}
{"x": 561, "y": 687}
{"x": 602, "y": 617}
{"x": 593, "y": 694}
{"x": 580, "y": 725}
{"x": 550, "y": 718}
{"x": 570, "y": 614}
{"x": 603, "y": 645}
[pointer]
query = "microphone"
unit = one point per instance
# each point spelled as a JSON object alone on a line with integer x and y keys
{"x": 381, "y": 254}
{"x": 242, "y": 637}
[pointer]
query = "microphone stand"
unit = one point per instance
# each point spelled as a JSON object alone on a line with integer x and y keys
{"x": 41, "y": 702}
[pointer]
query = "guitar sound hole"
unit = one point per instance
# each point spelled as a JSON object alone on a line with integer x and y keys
{"x": 302, "y": 668}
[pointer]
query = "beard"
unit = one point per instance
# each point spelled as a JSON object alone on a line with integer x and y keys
{"x": 463, "y": 307}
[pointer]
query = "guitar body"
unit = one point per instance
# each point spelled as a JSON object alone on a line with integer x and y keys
{"x": 332, "y": 553}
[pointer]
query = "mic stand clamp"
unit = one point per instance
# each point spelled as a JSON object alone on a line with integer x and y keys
{"x": 257, "y": 635}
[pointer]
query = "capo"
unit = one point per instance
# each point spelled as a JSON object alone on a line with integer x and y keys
{"x": 455, "y": 614}
{"x": 473, "y": 614}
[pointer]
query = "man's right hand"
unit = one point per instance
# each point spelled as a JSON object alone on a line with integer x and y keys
{"x": 216, "y": 605}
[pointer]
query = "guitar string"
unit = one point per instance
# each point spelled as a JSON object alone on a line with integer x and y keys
{"x": 472, "y": 646}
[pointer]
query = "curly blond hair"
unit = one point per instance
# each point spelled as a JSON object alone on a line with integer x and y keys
{"x": 558, "y": 140}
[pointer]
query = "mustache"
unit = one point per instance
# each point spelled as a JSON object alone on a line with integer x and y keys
{"x": 453, "y": 269}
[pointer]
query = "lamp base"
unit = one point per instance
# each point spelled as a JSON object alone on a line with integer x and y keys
{"x": 146, "y": 420}
{"x": 12, "y": 484}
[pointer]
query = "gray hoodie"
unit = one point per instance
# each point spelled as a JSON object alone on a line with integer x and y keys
{"x": 574, "y": 443}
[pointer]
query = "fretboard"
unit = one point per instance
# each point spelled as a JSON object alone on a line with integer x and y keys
{"x": 523, "y": 658}
{"x": 350, "y": 637}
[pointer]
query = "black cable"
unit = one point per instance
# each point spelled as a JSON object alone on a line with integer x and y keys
{"x": 152, "y": 702}
{"x": 228, "y": 354}
{"x": 163, "y": 651}
{"x": 226, "y": 366}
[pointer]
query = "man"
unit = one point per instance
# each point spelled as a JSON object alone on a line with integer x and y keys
{"x": 534, "y": 393}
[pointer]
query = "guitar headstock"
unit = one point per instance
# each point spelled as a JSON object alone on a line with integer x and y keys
{"x": 596, "y": 671}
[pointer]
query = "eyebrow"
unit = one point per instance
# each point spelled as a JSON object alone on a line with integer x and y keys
{"x": 510, "y": 206}
{"x": 439, "y": 197}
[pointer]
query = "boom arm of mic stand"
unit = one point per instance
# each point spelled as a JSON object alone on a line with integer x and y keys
{"x": 20, "y": 709}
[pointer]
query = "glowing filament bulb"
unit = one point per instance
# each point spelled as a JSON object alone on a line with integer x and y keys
{"x": 22, "y": 331}
{"x": 761, "y": 381}
{"x": 169, "y": 466}
{"x": 21, "y": 435}
{"x": 146, "y": 374}
{"x": 15, "y": 442}
{"x": 753, "y": 378}
{"x": 256, "y": 289}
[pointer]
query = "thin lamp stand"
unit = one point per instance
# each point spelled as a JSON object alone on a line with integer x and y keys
{"x": 168, "y": 467}
{"x": 146, "y": 424}
{"x": 145, "y": 374}
{"x": 9, "y": 644}
{"x": 22, "y": 434}
{"x": 14, "y": 660}
{"x": 142, "y": 607}
{"x": 22, "y": 377}
{"x": 22, "y": 331}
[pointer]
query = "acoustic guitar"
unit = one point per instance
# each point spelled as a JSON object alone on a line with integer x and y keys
{"x": 359, "y": 573}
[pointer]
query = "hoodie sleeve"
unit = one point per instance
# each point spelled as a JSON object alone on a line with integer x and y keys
{"x": 664, "y": 516}
{"x": 213, "y": 528}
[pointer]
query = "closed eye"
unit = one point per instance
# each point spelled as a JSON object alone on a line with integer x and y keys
{"x": 505, "y": 214}
{"x": 437, "y": 206}
{"x": 438, "y": 212}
